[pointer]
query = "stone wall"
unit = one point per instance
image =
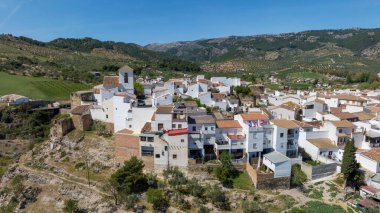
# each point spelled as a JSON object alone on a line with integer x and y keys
{"x": 267, "y": 180}
{"x": 63, "y": 126}
{"x": 126, "y": 146}
{"x": 320, "y": 171}
{"x": 82, "y": 122}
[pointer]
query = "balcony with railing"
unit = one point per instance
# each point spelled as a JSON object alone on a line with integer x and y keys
{"x": 222, "y": 145}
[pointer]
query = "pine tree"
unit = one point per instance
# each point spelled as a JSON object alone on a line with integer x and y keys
{"x": 349, "y": 164}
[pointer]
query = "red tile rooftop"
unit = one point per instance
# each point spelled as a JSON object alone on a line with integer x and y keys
{"x": 175, "y": 132}
{"x": 370, "y": 189}
{"x": 236, "y": 137}
{"x": 254, "y": 116}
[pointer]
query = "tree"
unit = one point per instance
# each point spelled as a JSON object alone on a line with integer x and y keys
{"x": 139, "y": 88}
{"x": 298, "y": 177}
{"x": 349, "y": 164}
{"x": 157, "y": 198}
{"x": 225, "y": 172}
{"x": 71, "y": 206}
{"x": 128, "y": 179}
{"x": 242, "y": 90}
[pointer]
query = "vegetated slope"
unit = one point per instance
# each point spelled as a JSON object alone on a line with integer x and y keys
{"x": 76, "y": 59}
{"x": 38, "y": 87}
{"x": 333, "y": 51}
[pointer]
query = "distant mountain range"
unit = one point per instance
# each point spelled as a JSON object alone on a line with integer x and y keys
{"x": 77, "y": 59}
{"x": 333, "y": 51}
{"x": 323, "y": 51}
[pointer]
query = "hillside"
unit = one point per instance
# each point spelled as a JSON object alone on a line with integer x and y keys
{"x": 38, "y": 87}
{"x": 331, "y": 51}
{"x": 77, "y": 59}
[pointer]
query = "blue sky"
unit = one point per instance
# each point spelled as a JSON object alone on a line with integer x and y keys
{"x": 150, "y": 21}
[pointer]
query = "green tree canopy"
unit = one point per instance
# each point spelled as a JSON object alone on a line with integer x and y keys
{"x": 349, "y": 164}
{"x": 129, "y": 178}
{"x": 225, "y": 172}
{"x": 139, "y": 88}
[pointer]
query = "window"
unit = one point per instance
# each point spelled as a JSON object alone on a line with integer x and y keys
{"x": 130, "y": 126}
{"x": 166, "y": 148}
{"x": 158, "y": 156}
{"x": 106, "y": 116}
{"x": 281, "y": 135}
{"x": 150, "y": 139}
{"x": 340, "y": 130}
{"x": 212, "y": 128}
{"x": 206, "y": 128}
{"x": 330, "y": 153}
{"x": 173, "y": 126}
{"x": 174, "y": 156}
{"x": 182, "y": 140}
{"x": 194, "y": 128}
{"x": 126, "y": 78}
{"x": 163, "y": 153}
{"x": 179, "y": 126}
{"x": 142, "y": 138}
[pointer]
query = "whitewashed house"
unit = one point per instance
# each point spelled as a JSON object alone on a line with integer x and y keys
{"x": 278, "y": 163}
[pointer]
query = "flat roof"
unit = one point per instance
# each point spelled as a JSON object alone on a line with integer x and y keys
{"x": 276, "y": 157}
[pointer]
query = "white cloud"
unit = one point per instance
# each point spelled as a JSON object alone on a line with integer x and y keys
{"x": 11, "y": 14}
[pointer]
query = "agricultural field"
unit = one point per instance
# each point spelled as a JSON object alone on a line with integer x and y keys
{"x": 38, "y": 87}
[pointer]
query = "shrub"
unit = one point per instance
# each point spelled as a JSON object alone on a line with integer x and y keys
{"x": 218, "y": 197}
{"x": 298, "y": 177}
{"x": 158, "y": 199}
{"x": 71, "y": 206}
{"x": 252, "y": 207}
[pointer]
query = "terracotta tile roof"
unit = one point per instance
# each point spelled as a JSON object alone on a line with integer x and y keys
{"x": 319, "y": 101}
{"x": 11, "y": 97}
{"x": 125, "y": 132}
{"x": 254, "y": 116}
{"x": 342, "y": 124}
{"x": 345, "y": 115}
{"x": 373, "y": 154}
{"x": 205, "y": 81}
{"x": 364, "y": 116}
{"x": 228, "y": 124}
{"x": 202, "y": 119}
{"x": 374, "y": 109}
{"x": 111, "y": 81}
{"x": 147, "y": 127}
{"x": 348, "y": 97}
{"x": 177, "y": 132}
{"x": 288, "y": 124}
{"x": 370, "y": 189}
{"x": 335, "y": 110}
{"x": 219, "y": 96}
{"x": 164, "y": 110}
{"x": 80, "y": 110}
{"x": 322, "y": 143}
{"x": 190, "y": 103}
{"x": 303, "y": 124}
{"x": 236, "y": 137}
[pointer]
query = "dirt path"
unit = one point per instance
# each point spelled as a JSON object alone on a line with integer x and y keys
{"x": 41, "y": 172}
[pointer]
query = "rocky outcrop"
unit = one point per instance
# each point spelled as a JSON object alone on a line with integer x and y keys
{"x": 372, "y": 52}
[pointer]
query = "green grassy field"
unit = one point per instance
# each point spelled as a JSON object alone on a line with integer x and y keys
{"x": 38, "y": 87}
